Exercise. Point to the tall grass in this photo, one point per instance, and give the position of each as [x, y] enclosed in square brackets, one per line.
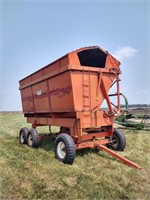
[27, 173]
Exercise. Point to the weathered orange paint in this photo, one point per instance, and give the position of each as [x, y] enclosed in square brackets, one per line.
[69, 93]
[67, 89]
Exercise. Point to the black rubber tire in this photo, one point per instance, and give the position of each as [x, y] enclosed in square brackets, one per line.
[23, 134]
[69, 148]
[118, 140]
[33, 139]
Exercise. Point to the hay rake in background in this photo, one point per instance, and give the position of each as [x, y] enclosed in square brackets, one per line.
[128, 120]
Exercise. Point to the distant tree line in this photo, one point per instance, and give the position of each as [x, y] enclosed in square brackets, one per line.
[136, 105]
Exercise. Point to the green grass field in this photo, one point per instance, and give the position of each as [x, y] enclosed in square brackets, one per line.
[27, 173]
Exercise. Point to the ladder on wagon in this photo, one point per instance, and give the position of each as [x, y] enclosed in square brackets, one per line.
[86, 85]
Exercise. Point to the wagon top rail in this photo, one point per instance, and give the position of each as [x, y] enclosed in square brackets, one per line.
[91, 58]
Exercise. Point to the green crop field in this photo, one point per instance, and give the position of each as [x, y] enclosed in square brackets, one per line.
[27, 173]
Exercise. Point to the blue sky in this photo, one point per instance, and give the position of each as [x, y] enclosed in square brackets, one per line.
[34, 33]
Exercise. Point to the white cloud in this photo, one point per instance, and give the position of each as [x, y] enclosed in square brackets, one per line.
[125, 53]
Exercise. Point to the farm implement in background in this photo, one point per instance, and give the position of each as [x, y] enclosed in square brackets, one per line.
[129, 120]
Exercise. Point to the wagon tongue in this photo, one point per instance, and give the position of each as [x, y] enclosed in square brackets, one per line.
[124, 160]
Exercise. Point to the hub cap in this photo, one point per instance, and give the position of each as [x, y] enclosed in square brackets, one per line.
[114, 141]
[61, 150]
[30, 140]
[22, 137]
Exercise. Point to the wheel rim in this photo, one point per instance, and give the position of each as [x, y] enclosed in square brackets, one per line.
[30, 140]
[114, 141]
[61, 150]
[22, 137]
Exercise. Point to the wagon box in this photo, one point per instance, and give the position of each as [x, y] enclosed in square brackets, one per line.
[69, 93]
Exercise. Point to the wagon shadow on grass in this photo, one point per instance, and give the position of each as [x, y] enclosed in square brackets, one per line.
[98, 152]
[47, 143]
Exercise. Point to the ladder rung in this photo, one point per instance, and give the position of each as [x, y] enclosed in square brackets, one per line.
[87, 106]
[86, 115]
[85, 85]
[87, 97]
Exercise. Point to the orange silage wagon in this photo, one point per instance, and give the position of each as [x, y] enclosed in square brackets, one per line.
[69, 93]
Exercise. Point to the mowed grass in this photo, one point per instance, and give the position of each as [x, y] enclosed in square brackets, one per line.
[27, 173]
